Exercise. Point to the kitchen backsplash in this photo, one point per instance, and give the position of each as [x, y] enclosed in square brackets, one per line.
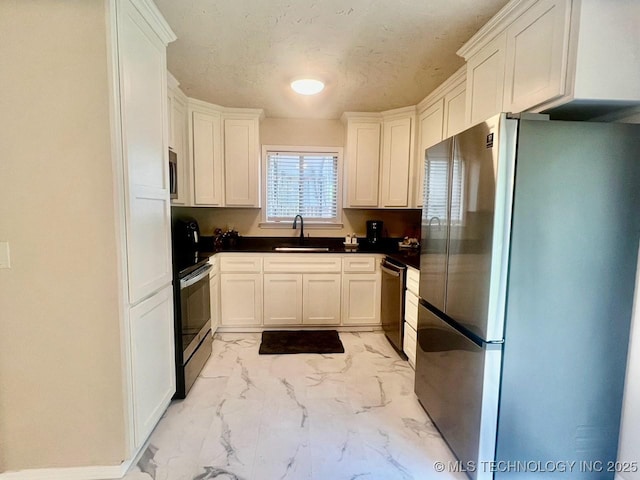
[397, 223]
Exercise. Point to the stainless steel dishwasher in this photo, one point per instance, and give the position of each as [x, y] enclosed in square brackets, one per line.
[392, 305]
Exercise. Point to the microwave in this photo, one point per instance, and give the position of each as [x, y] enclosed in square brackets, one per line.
[173, 174]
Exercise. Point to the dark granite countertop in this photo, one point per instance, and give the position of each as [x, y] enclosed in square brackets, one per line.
[389, 246]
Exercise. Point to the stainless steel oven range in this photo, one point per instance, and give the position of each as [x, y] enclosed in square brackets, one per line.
[192, 313]
[193, 327]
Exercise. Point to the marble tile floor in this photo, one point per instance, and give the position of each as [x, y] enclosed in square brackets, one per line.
[297, 417]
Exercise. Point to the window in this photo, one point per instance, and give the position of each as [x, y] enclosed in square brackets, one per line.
[302, 182]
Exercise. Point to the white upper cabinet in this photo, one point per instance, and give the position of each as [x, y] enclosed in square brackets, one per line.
[362, 160]
[225, 155]
[143, 107]
[397, 151]
[537, 49]
[441, 114]
[206, 153]
[430, 128]
[242, 160]
[455, 109]
[178, 137]
[485, 81]
[608, 36]
[172, 86]
[379, 170]
[576, 58]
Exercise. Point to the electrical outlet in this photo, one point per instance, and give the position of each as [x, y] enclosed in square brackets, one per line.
[4, 255]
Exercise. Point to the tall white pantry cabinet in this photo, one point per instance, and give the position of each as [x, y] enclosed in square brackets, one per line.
[140, 145]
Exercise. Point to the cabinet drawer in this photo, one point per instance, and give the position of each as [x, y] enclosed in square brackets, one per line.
[413, 281]
[411, 309]
[409, 344]
[306, 263]
[213, 261]
[359, 264]
[241, 264]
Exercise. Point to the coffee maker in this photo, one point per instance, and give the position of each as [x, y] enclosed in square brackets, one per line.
[374, 232]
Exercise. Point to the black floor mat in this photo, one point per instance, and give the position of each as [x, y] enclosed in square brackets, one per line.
[279, 342]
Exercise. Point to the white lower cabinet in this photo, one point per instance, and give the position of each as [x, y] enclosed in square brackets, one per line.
[411, 309]
[215, 301]
[281, 289]
[301, 299]
[152, 361]
[321, 299]
[361, 298]
[409, 343]
[214, 295]
[411, 315]
[241, 295]
[283, 298]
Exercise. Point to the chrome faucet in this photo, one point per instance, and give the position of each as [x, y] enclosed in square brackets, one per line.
[295, 225]
[437, 220]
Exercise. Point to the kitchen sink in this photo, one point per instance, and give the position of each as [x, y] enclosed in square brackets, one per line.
[301, 248]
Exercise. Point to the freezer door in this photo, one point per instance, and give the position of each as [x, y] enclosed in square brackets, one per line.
[457, 382]
[481, 196]
[435, 223]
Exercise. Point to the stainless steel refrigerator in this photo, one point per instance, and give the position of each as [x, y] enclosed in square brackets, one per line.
[530, 233]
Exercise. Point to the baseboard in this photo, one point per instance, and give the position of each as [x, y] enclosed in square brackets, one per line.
[339, 328]
[70, 473]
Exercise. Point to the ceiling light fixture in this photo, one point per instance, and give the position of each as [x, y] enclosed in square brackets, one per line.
[307, 86]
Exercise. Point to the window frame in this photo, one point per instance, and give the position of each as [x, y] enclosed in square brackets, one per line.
[337, 151]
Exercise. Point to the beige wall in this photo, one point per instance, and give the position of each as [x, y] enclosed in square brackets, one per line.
[61, 400]
[295, 131]
[397, 223]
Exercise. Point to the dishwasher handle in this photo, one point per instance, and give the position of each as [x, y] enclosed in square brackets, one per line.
[391, 268]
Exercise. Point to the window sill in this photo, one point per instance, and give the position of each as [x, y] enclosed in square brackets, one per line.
[309, 225]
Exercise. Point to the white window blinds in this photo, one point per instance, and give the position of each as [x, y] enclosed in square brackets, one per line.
[302, 183]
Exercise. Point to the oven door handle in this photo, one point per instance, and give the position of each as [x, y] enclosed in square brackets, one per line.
[197, 276]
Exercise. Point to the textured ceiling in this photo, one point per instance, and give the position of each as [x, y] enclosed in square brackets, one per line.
[373, 55]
